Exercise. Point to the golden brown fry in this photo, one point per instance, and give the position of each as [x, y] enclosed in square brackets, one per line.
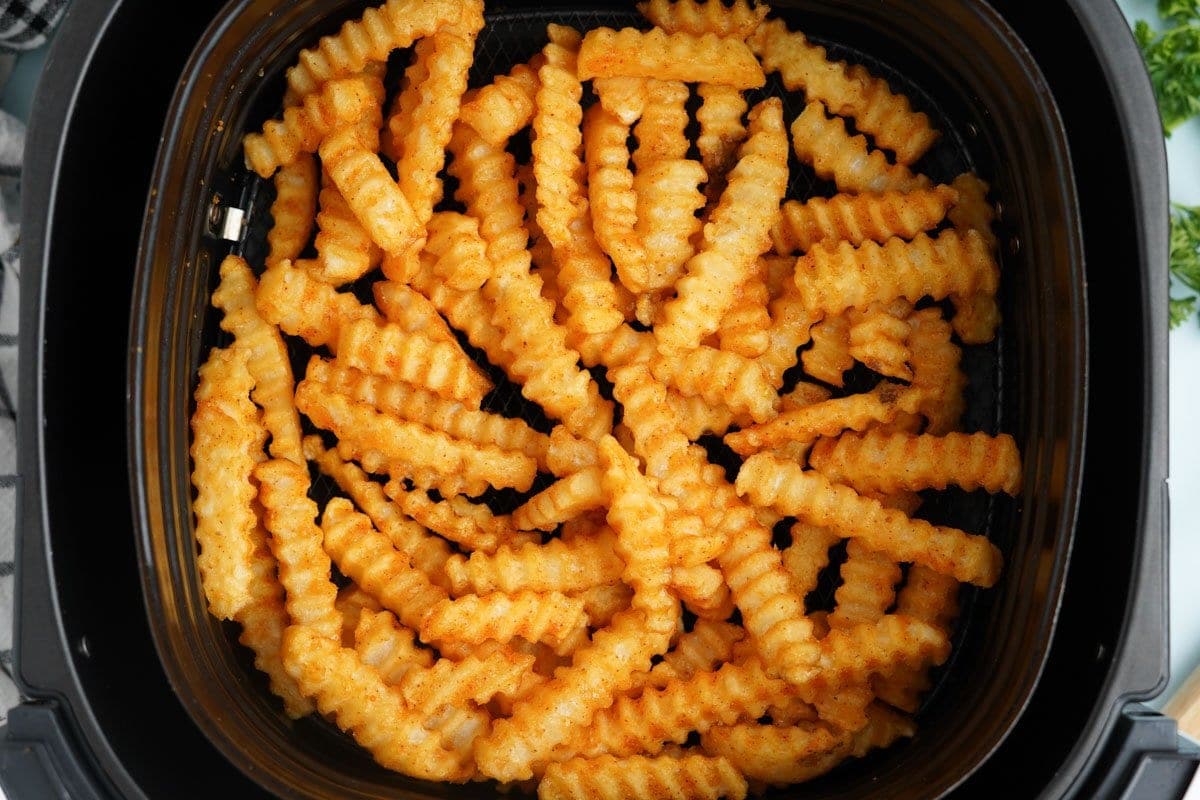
[427, 553]
[267, 357]
[661, 132]
[721, 378]
[394, 25]
[303, 306]
[827, 418]
[807, 555]
[700, 587]
[351, 602]
[860, 217]
[388, 350]
[835, 155]
[345, 251]
[293, 210]
[708, 645]
[766, 480]
[557, 566]
[614, 203]
[734, 237]
[584, 271]
[569, 700]
[735, 21]
[668, 199]
[849, 91]
[721, 129]
[458, 253]
[697, 416]
[375, 714]
[387, 646]
[408, 449]
[868, 586]
[372, 195]
[976, 315]
[689, 777]
[832, 279]
[304, 567]
[369, 559]
[622, 96]
[227, 441]
[422, 133]
[791, 326]
[669, 57]
[829, 357]
[879, 335]
[340, 103]
[559, 453]
[745, 328]
[468, 524]
[549, 617]
[412, 311]
[936, 373]
[933, 598]
[566, 498]
[505, 105]
[882, 462]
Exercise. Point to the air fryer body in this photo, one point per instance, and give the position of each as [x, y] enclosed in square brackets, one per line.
[102, 719]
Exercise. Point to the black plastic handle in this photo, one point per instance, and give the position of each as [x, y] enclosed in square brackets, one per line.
[38, 758]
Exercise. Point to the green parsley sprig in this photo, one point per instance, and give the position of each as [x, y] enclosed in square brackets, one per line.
[1173, 60]
[1185, 259]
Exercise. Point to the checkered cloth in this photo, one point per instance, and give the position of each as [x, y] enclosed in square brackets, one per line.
[24, 25]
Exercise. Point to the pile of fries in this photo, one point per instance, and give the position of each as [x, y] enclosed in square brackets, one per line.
[631, 628]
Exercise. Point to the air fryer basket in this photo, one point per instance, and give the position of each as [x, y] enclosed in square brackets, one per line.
[957, 61]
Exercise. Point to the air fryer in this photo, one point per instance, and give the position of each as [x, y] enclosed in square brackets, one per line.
[103, 719]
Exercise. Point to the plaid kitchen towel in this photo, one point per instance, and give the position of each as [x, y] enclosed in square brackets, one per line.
[24, 24]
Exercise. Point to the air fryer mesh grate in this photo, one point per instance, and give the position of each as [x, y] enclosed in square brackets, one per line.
[510, 38]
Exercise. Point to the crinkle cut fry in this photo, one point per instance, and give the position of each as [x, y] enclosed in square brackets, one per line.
[456, 251]
[832, 279]
[736, 235]
[394, 25]
[387, 646]
[374, 714]
[661, 132]
[878, 337]
[745, 328]
[612, 197]
[546, 717]
[469, 312]
[721, 130]
[668, 198]
[304, 566]
[856, 218]
[345, 251]
[402, 444]
[267, 359]
[791, 328]
[583, 563]
[933, 598]
[422, 138]
[549, 617]
[369, 559]
[375, 198]
[293, 210]
[849, 91]
[537, 353]
[426, 553]
[868, 586]
[227, 441]
[783, 754]
[506, 105]
[584, 270]
[404, 306]
[565, 498]
[470, 525]
[689, 777]
[669, 57]
[829, 357]
[977, 316]
[827, 418]
[735, 21]
[936, 372]
[883, 462]
[825, 145]
[340, 103]
[388, 350]
[721, 378]
[768, 481]
[303, 306]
